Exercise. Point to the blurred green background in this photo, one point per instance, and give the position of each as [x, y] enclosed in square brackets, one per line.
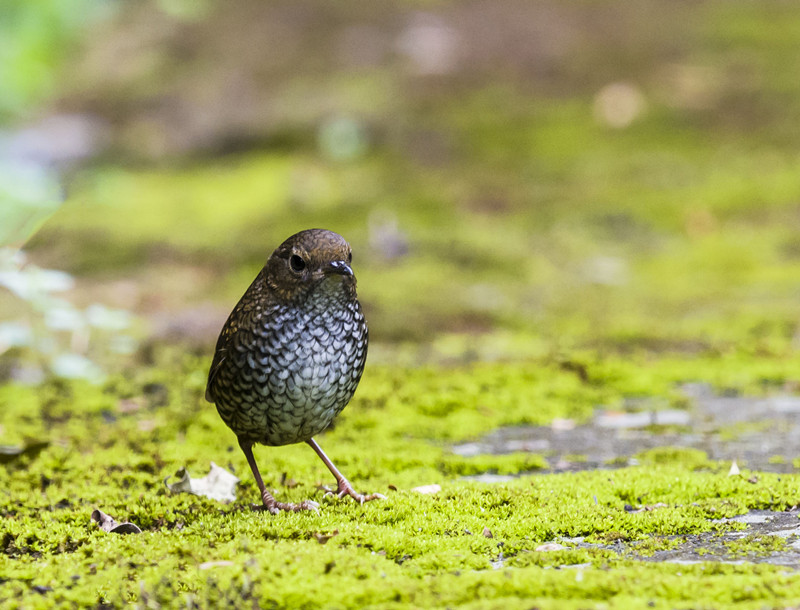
[594, 201]
[518, 179]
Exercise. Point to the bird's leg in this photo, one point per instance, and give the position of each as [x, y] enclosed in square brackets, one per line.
[343, 485]
[270, 503]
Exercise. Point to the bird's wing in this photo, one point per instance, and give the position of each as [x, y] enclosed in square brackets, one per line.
[220, 353]
[241, 322]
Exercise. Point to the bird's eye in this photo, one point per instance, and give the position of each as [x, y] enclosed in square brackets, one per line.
[297, 263]
[349, 257]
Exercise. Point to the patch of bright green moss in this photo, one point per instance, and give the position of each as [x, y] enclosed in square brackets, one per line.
[690, 458]
[514, 463]
[111, 446]
[755, 545]
[652, 545]
[736, 431]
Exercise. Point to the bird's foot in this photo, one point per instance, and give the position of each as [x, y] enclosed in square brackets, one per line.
[274, 507]
[345, 489]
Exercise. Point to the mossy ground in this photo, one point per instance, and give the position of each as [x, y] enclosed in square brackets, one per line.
[112, 446]
[549, 264]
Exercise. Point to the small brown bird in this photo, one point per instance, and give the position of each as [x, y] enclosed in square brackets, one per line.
[292, 352]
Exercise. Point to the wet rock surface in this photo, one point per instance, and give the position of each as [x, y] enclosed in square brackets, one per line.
[767, 537]
[761, 433]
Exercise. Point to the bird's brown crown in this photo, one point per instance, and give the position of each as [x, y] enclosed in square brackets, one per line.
[307, 258]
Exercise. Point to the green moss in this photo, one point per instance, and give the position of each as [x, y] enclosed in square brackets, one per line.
[583, 267]
[690, 458]
[652, 545]
[564, 558]
[755, 546]
[411, 548]
[514, 463]
[736, 431]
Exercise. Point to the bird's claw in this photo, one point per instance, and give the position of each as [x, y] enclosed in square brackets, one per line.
[328, 491]
[345, 489]
[275, 507]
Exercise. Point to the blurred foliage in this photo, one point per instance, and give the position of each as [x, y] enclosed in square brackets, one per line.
[49, 333]
[602, 196]
[631, 263]
[34, 35]
[28, 195]
[52, 335]
[640, 195]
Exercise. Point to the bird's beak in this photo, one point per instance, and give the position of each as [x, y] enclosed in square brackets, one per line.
[340, 268]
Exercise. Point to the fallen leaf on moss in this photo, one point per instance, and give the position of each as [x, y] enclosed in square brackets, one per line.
[734, 471]
[218, 484]
[487, 533]
[108, 524]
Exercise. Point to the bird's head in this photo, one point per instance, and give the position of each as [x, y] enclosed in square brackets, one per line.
[309, 259]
